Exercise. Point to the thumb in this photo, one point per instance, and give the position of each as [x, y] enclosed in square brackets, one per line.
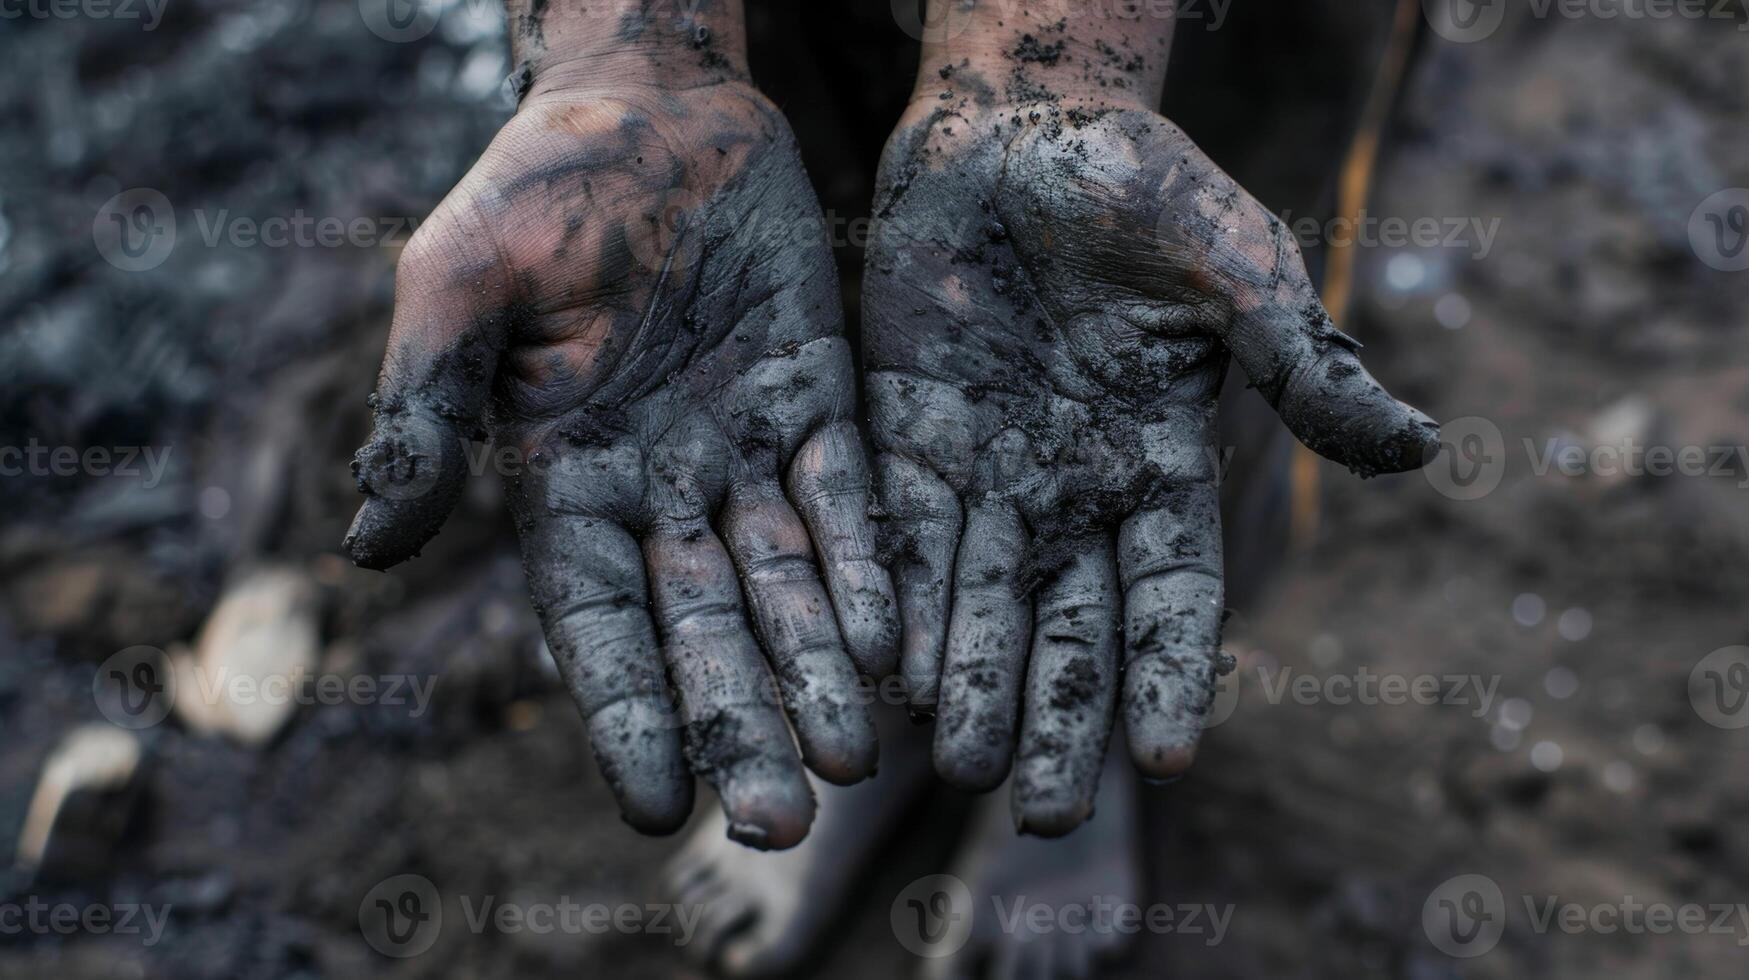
[1307, 369]
[443, 354]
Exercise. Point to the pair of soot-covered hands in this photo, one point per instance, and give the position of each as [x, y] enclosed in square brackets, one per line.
[633, 293]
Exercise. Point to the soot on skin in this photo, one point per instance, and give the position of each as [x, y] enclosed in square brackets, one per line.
[1052, 296]
[643, 368]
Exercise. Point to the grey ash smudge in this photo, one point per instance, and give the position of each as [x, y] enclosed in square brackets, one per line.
[533, 25]
[521, 80]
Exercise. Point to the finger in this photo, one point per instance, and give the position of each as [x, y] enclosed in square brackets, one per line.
[829, 483]
[735, 735]
[443, 353]
[1308, 371]
[586, 577]
[794, 620]
[1169, 562]
[1071, 687]
[986, 651]
[922, 529]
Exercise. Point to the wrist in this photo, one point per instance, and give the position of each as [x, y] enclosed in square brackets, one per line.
[1090, 52]
[662, 44]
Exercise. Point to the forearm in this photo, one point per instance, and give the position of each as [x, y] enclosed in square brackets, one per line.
[570, 44]
[1017, 51]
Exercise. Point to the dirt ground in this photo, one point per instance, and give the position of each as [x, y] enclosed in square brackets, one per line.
[1579, 148]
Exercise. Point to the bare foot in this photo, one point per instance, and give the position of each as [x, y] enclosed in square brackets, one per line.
[1096, 866]
[764, 910]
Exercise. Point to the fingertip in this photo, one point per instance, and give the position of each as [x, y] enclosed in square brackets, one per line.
[1401, 439]
[411, 473]
[846, 755]
[364, 541]
[655, 810]
[970, 769]
[639, 755]
[1162, 762]
[1164, 710]
[772, 817]
[1345, 415]
[1051, 818]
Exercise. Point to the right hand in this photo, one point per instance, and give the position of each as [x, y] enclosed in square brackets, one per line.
[634, 290]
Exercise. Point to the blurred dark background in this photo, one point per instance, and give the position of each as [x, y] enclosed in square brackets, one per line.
[1599, 315]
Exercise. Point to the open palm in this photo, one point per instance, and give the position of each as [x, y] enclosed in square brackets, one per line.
[1051, 298]
[635, 294]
